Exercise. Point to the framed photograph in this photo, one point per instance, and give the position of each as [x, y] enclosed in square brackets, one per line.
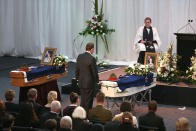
[48, 56]
[151, 59]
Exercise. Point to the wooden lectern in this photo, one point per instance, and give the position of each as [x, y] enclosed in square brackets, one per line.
[186, 44]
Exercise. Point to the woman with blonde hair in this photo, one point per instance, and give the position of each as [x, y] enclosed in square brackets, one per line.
[182, 124]
[52, 95]
[80, 123]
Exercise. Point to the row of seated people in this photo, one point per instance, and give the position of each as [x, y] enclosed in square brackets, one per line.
[31, 114]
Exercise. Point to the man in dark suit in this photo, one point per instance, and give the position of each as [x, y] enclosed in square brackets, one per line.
[151, 120]
[87, 76]
[99, 112]
[32, 97]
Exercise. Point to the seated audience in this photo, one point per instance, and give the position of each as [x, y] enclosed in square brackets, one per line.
[74, 101]
[11, 107]
[99, 112]
[27, 116]
[7, 122]
[111, 126]
[52, 95]
[32, 97]
[50, 125]
[79, 120]
[97, 127]
[151, 119]
[125, 107]
[182, 124]
[2, 111]
[127, 123]
[53, 114]
[66, 124]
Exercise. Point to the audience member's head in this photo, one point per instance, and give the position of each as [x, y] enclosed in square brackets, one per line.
[125, 106]
[79, 112]
[8, 121]
[2, 108]
[74, 98]
[32, 94]
[127, 118]
[100, 98]
[90, 47]
[51, 124]
[27, 112]
[182, 124]
[152, 106]
[66, 122]
[52, 95]
[97, 127]
[10, 95]
[56, 107]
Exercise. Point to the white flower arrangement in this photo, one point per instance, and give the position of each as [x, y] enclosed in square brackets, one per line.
[138, 69]
[60, 60]
[103, 64]
[167, 66]
[191, 72]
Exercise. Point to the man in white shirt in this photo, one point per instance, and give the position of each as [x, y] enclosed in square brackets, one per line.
[146, 40]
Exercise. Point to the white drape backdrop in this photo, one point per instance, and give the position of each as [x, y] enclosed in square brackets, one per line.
[27, 26]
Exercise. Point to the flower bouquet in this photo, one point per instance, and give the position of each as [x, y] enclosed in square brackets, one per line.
[103, 64]
[60, 60]
[138, 69]
[96, 26]
[191, 72]
[167, 71]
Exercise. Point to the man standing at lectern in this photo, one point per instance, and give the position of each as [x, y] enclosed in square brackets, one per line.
[146, 40]
[87, 76]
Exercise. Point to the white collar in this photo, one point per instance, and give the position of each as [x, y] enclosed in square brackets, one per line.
[73, 105]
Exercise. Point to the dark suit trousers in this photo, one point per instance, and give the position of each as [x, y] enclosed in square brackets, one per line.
[87, 95]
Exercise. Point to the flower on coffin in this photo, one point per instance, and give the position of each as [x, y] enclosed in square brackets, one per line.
[60, 60]
[167, 67]
[138, 69]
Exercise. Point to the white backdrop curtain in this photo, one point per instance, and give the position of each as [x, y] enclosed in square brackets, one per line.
[27, 26]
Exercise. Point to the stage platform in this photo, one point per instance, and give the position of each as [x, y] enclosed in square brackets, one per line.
[179, 94]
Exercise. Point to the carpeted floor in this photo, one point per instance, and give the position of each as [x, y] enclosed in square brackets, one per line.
[169, 113]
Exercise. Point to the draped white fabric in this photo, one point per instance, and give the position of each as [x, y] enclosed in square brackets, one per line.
[27, 26]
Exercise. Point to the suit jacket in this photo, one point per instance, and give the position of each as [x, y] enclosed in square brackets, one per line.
[50, 115]
[11, 107]
[37, 107]
[86, 71]
[81, 125]
[100, 113]
[127, 127]
[152, 120]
